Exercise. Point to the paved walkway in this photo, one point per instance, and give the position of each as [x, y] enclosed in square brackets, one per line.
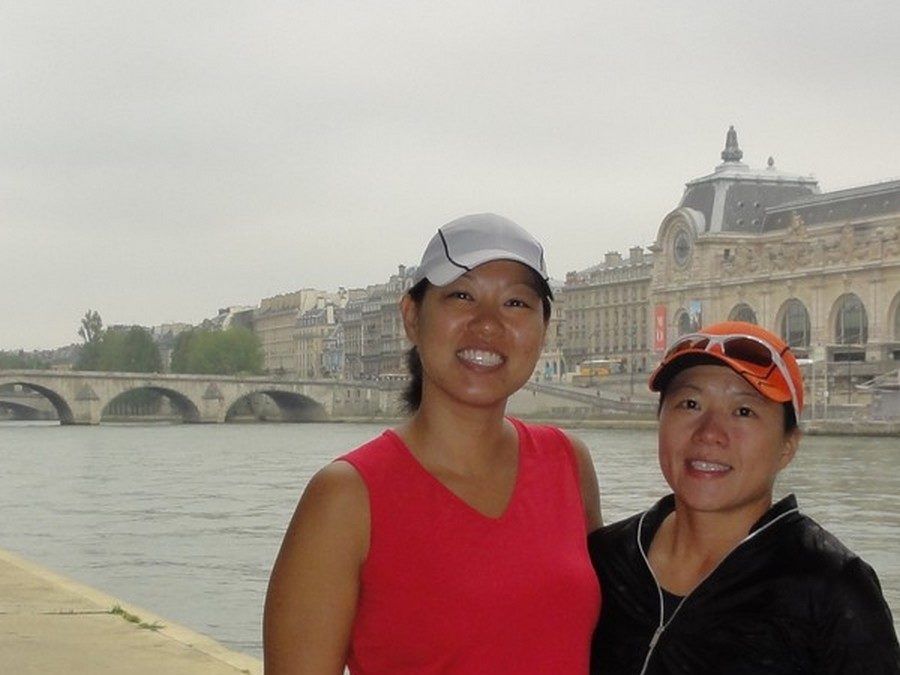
[50, 625]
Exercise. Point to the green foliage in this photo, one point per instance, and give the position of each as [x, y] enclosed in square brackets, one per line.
[88, 357]
[91, 327]
[135, 619]
[21, 360]
[132, 351]
[91, 331]
[229, 352]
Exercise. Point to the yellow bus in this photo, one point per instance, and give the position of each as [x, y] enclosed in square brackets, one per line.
[599, 367]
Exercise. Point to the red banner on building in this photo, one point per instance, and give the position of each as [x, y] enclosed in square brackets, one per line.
[659, 328]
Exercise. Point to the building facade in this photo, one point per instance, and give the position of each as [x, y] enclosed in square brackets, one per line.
[606, 311]
[761, 245]
[314, 327]
[373, 337]
[276, 321]
[820, 269]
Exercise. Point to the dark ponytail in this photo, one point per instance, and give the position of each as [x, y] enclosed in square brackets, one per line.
[411, 397]
[412, 393]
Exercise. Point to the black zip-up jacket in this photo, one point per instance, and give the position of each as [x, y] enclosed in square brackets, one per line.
[790, 598]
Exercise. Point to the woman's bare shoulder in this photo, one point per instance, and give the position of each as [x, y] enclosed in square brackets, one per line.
[587, 475]
[336, 492]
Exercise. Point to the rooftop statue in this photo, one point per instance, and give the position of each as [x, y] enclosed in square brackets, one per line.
[731, 153]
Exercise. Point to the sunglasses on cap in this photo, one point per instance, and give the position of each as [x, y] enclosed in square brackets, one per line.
[755, 357]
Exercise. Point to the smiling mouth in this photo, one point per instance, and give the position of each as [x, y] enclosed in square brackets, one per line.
[480, 357]
[707, 466]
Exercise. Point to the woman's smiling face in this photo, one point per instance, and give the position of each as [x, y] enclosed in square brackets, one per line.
[721, 442]
[480, 336]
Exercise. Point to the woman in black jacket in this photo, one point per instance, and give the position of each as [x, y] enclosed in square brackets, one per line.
[715, 578]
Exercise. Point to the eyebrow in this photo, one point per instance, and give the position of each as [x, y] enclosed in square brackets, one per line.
[749, 390]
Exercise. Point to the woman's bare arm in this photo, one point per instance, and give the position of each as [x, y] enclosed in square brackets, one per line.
[312, 594]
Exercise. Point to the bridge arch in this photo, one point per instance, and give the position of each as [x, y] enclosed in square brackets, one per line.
[59, 403]
[291, 406]
[179, 402]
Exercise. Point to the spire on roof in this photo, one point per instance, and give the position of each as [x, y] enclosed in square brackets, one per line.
[731, 153]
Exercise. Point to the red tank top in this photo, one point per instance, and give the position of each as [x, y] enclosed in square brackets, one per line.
[445, 589]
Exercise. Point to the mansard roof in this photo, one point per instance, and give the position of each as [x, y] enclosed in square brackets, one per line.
[863, 202]
[736, 198]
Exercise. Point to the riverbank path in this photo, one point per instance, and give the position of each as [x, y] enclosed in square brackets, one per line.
[50, 625]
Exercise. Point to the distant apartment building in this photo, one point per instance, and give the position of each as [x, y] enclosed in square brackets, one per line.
[313, 329]
[606, 311]
[353, 343]
[275, 322]
[352, 334]
[374, 339]
[333, 352]
[231, 317]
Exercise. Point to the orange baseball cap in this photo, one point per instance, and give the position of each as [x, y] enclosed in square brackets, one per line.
[757, 355]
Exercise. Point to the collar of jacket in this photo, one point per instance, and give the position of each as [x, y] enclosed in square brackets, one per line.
[653, 518]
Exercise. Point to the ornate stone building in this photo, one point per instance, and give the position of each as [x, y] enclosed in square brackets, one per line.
[820, 269]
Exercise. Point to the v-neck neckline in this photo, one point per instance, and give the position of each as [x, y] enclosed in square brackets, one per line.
[513, 496]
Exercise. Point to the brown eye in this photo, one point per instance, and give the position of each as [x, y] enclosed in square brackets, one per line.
[687, 403]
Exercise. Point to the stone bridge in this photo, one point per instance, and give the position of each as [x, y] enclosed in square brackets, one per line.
[81, 397]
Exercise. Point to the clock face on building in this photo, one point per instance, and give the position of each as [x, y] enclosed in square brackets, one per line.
[682, 247]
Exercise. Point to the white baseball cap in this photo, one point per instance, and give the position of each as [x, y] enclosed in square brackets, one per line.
[470, 241]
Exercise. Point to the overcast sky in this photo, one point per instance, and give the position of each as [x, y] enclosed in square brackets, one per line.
[162, 159]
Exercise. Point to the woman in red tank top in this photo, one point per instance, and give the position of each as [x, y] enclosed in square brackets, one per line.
[454, 543]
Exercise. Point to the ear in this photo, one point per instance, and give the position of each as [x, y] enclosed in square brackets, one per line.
[409, 311]
[789, 448]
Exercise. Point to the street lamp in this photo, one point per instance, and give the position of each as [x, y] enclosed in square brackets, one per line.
[849, 380]
[631, 364]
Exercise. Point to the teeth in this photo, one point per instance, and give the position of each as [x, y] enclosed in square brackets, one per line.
[700, 465]
[481, 358]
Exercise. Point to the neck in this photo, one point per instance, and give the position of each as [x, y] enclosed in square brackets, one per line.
[690, 544]
[465, 441]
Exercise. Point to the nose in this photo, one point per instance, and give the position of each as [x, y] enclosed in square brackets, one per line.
[485, 321]
[711, 428]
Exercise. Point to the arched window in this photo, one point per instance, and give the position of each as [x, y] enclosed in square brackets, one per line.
[795, 324]
[684, 324]
[742, 312]
[851, 326]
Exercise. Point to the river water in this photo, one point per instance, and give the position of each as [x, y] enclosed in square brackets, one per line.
[185, 520]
